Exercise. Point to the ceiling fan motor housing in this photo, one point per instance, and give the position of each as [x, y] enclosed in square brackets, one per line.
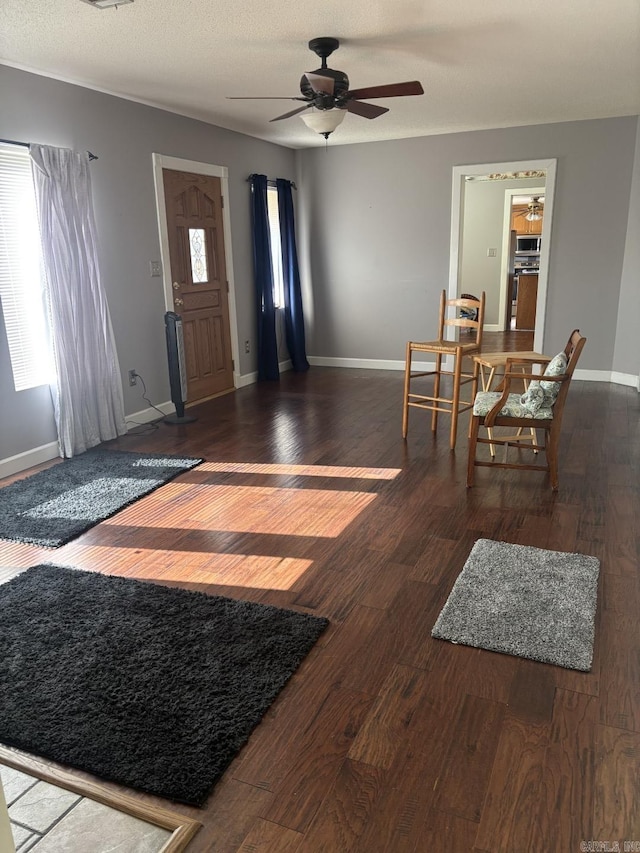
[322, 101]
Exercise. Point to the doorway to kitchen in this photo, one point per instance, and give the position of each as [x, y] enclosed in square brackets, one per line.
[520, 264]
[492, 263]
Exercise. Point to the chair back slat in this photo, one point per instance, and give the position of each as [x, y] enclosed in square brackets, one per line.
[467, 302]
[572, 350]
[462, 321]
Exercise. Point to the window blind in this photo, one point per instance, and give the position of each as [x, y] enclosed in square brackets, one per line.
[21, 275]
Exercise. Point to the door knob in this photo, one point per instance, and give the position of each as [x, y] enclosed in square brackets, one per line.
[176, 285]
[178, 301]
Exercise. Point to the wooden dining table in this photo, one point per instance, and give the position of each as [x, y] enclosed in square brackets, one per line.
[491, 362]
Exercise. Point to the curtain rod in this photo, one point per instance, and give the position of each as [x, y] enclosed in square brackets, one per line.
[28, 145]
[272, 183]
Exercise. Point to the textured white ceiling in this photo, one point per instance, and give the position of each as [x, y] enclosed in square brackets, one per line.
[498, 63]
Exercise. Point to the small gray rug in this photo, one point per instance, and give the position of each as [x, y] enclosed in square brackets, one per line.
[57, 504]
[524, 601]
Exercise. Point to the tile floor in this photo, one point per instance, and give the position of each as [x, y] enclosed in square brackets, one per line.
[48, 819]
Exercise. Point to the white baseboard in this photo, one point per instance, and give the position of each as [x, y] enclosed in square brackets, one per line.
[381, 364]
[243, 379]
[607, 376]
[625, 379]
[145, 416]
[38, 455]
[21, 461]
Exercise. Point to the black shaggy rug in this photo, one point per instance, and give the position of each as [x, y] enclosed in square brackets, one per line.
[149, 686]
[57, 504]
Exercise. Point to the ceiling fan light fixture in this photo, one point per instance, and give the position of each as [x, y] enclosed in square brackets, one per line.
[533, 216]
[323, 121]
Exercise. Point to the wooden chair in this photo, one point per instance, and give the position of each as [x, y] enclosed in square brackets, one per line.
[459, 349]
[535, 409]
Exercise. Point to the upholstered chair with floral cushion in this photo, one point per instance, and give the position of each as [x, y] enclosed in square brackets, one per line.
[541, 406]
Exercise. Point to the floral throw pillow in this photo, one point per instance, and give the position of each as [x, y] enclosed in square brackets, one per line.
[541, 393]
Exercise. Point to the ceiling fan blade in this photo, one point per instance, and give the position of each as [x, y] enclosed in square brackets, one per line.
[265, 98]
[292, 113]
[320, 84]
[366, 110]
[392, 90]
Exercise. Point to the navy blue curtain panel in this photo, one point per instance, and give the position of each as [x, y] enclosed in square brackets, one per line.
[267, 344]
[293, 317]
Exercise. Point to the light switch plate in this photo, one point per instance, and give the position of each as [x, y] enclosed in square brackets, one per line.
[492, 253]
[156, 268]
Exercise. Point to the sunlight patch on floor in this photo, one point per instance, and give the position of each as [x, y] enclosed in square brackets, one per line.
[302, 470]
[253, 571]
[246, 509]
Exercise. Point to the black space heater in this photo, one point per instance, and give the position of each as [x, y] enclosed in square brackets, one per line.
[177, 368]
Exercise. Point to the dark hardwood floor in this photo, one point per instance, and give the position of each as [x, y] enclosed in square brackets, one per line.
[386, 739]
[510, 341]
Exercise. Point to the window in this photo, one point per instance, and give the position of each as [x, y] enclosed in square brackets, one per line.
[198, 250]
[21, 275]
[276, 246]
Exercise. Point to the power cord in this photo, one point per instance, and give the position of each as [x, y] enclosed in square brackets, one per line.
[144, 395]
[151, 426]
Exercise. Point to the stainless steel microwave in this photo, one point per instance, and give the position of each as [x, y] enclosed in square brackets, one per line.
[527, 245]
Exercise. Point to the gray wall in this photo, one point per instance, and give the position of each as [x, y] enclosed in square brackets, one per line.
[380, 216]
[626, 357]
[124, 135]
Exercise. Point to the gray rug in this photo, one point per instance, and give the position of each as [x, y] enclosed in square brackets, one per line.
[149, 686]
[524, 601]
[57, 504]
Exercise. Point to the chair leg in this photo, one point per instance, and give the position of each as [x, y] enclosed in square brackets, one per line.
[405, 400]
[455, 406]
[436, 392]
[474, 383]
[551, 445]
[473, 442]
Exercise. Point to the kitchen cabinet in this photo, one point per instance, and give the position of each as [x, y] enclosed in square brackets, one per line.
[526, 301]
[522, 225]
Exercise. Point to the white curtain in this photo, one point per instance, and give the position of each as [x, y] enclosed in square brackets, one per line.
[88, 392]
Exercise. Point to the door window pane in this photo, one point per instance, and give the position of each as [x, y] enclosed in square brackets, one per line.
[198, 249]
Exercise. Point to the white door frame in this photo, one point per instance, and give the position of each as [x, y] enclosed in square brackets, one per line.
[457, 210]
[160, 162]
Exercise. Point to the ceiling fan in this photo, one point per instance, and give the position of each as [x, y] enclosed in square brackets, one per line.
[326, 93]
[534, 209]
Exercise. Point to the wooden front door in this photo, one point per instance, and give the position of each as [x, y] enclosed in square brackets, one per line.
[199, 280]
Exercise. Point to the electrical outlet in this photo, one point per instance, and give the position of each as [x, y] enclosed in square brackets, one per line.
[133, 377]
[247, 346]
[155, 268]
